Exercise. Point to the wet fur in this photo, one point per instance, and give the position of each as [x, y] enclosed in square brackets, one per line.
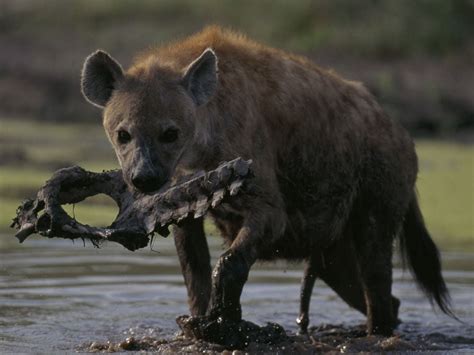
[334, 175]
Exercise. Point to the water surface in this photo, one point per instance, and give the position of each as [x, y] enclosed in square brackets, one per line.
[56, 296]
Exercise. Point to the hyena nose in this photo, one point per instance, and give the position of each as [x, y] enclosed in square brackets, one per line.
[146, 182]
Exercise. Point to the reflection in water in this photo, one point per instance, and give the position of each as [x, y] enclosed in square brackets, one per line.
[58, 296]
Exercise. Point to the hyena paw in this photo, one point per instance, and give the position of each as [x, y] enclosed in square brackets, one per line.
[229, 333]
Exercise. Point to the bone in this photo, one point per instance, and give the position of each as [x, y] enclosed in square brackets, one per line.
[140, 216]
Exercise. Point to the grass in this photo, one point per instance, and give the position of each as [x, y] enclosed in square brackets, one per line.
[12, 178]
[44, 148]
[446, 191]
[445, 184]
[45, 143]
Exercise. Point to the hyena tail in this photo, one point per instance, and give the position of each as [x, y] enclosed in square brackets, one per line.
[422, 256]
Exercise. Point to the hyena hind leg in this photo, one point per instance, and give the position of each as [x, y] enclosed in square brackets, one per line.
[339, 268]
[307, 285]
[376, 271]
[341, 272]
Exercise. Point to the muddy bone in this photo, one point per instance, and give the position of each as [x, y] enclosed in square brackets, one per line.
[140, 215]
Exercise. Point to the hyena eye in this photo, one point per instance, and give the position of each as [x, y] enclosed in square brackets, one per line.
[170, 135]
[123, 137]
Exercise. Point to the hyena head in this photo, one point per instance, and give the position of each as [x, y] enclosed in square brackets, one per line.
[149, 112]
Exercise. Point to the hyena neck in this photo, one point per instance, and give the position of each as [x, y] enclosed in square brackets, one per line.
[203, 151]
[200, 155]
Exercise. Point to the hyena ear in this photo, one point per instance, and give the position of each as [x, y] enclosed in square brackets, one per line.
[99, 77]
[200, 79]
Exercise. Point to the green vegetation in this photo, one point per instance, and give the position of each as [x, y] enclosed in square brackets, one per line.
[446, 191]
[31, 151]
[366, 27]
[446, 180]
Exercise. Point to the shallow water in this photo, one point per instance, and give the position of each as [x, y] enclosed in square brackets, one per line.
[56, 296]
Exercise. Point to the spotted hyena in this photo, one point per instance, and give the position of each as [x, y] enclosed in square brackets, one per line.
[334, 175]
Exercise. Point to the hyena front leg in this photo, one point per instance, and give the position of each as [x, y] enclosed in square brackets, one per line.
[223, 322]
[193, 253]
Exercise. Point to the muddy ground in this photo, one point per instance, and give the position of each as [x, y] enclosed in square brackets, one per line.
[325, 338]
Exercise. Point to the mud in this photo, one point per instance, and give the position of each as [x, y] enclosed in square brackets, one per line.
[325, 338]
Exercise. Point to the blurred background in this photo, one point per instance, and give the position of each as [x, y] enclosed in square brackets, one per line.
[416, 56]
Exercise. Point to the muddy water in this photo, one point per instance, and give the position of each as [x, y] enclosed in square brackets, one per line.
[55, 296]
